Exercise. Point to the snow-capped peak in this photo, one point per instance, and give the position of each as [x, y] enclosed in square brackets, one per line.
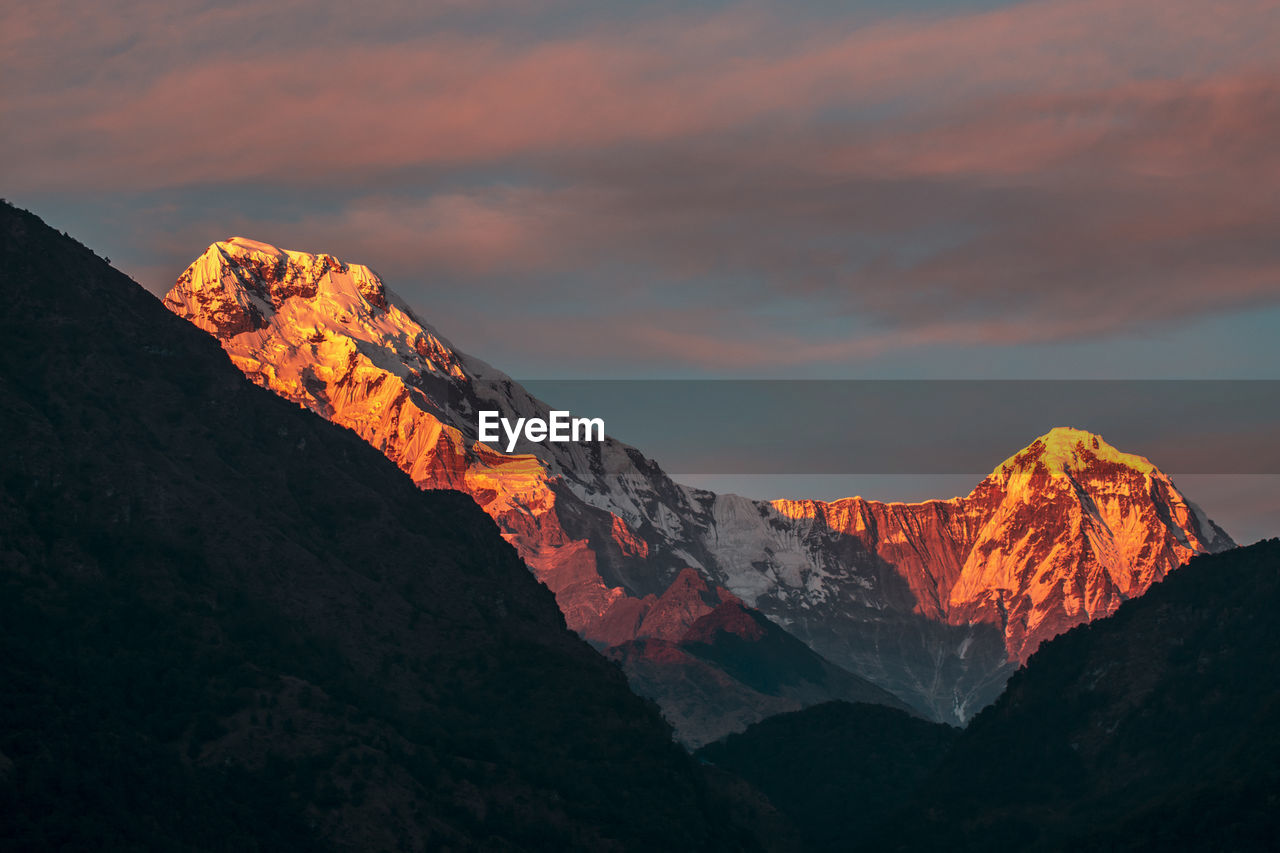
[238, 243]
[1060, 533]
[309, 301]
[1067, 451]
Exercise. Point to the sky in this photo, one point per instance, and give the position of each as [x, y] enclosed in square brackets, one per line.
[1064, 189]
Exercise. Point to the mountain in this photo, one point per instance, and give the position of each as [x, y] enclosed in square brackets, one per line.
[936, 602]
[731, 667]
[1155, 728]
[836, 769]
[226, 624]
[1061, 533]
[332, 338]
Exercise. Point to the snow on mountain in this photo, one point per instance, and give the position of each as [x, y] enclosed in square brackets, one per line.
[1060, 533]
[934, 601]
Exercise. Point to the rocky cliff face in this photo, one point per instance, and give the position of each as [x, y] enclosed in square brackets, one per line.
[936, 602]
[1079, 528]
[330, 337]
[230, 625]
[1060, 533]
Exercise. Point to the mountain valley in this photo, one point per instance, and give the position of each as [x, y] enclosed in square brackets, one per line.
[936, 602]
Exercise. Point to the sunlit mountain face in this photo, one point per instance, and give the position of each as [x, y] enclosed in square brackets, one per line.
[934, 602]
[231, 625]
[927, 362]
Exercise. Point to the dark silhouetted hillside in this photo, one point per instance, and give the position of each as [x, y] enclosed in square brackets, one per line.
[837, 770]
[226, 624]
[1155, 729]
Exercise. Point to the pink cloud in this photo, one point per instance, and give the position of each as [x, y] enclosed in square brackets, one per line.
[1044, 171]
[299, 103]
[1078, 238]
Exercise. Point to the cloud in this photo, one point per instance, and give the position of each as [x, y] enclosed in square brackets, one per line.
[158, 97]
[1045, 237]
[826, 187]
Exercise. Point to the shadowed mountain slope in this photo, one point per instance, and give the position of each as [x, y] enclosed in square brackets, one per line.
[936, 602]
[1156, 728]
[836, 769]
[731, 665]
[228, 624]
[602, 526]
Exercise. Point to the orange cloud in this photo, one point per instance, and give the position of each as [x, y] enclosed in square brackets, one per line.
[1051, 170]
[304, 100]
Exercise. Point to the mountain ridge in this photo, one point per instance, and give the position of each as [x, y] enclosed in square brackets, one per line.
[228, 624]
[963, 557]
[1152, 729]
[936, 602]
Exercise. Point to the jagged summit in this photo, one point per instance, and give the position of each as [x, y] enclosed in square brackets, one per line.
[248, 245]
[1060, 533]
[243, 629]
[329, 336]
[1067, 450]
[324, 308]
[278, 274]
[935, 601]
[245, 247]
